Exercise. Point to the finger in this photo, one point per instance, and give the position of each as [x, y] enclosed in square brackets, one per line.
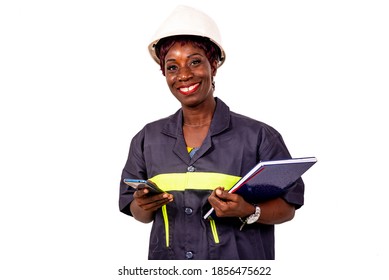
[216, 202]
[215, 191]
[158, 199]
[156, 204]
[213, 198]
[224, 195]
[140, 193]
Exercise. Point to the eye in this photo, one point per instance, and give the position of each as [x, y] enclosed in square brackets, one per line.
[196, 62]
[171, 68]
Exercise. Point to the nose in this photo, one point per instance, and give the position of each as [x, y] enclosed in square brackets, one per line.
[184, 74]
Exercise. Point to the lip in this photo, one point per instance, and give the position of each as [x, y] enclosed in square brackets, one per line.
[188, 89]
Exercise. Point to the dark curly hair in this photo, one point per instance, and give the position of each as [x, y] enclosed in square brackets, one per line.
[211, 50]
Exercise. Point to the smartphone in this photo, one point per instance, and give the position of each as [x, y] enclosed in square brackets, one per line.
[139, 184]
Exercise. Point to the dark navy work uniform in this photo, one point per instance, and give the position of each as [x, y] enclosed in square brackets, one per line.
[233, 146]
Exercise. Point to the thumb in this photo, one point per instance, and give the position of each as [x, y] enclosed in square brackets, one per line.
[220, 192]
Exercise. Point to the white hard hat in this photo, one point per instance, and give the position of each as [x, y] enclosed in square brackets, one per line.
[188, 21]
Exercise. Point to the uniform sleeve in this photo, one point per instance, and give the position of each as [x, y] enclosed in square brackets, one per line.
[273, 148]
[134, 168]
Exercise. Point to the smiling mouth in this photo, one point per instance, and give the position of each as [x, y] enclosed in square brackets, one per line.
[189, 90]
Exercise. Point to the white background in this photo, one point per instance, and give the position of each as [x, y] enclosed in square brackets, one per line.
[76, 83]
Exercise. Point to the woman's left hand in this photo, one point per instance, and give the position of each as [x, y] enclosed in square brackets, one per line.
[229, 205]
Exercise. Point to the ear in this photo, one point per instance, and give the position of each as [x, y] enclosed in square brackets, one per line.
[214, 68]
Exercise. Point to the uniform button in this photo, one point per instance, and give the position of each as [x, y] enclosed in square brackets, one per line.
[189, 255]
[191, 169]
[188, 210]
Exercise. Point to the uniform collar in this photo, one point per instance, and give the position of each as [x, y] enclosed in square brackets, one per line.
[220, 121]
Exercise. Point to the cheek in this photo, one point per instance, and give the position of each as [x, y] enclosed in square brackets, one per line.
[207, 77]
[170, 84]
[169, 80]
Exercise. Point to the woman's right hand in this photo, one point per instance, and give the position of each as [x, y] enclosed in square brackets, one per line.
[144, 205]
[151, 202]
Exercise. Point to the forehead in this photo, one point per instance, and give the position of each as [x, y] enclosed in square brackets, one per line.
[184, 49]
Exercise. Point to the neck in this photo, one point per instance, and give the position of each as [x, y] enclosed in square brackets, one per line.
[199, 116]
[198, 124]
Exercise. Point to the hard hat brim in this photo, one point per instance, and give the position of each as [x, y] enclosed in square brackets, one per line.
[153, 54]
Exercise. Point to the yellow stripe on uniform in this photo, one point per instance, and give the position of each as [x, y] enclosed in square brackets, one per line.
[166, 222]
[194, 181]
[214, 230]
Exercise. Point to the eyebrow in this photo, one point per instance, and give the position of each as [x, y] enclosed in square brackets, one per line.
[189, 56]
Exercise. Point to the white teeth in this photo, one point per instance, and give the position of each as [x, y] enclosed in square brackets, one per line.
[186, 89]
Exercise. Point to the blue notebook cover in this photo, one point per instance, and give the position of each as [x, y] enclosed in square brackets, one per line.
[270, 179]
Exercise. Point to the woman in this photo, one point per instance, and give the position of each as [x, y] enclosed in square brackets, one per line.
[198, 153]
